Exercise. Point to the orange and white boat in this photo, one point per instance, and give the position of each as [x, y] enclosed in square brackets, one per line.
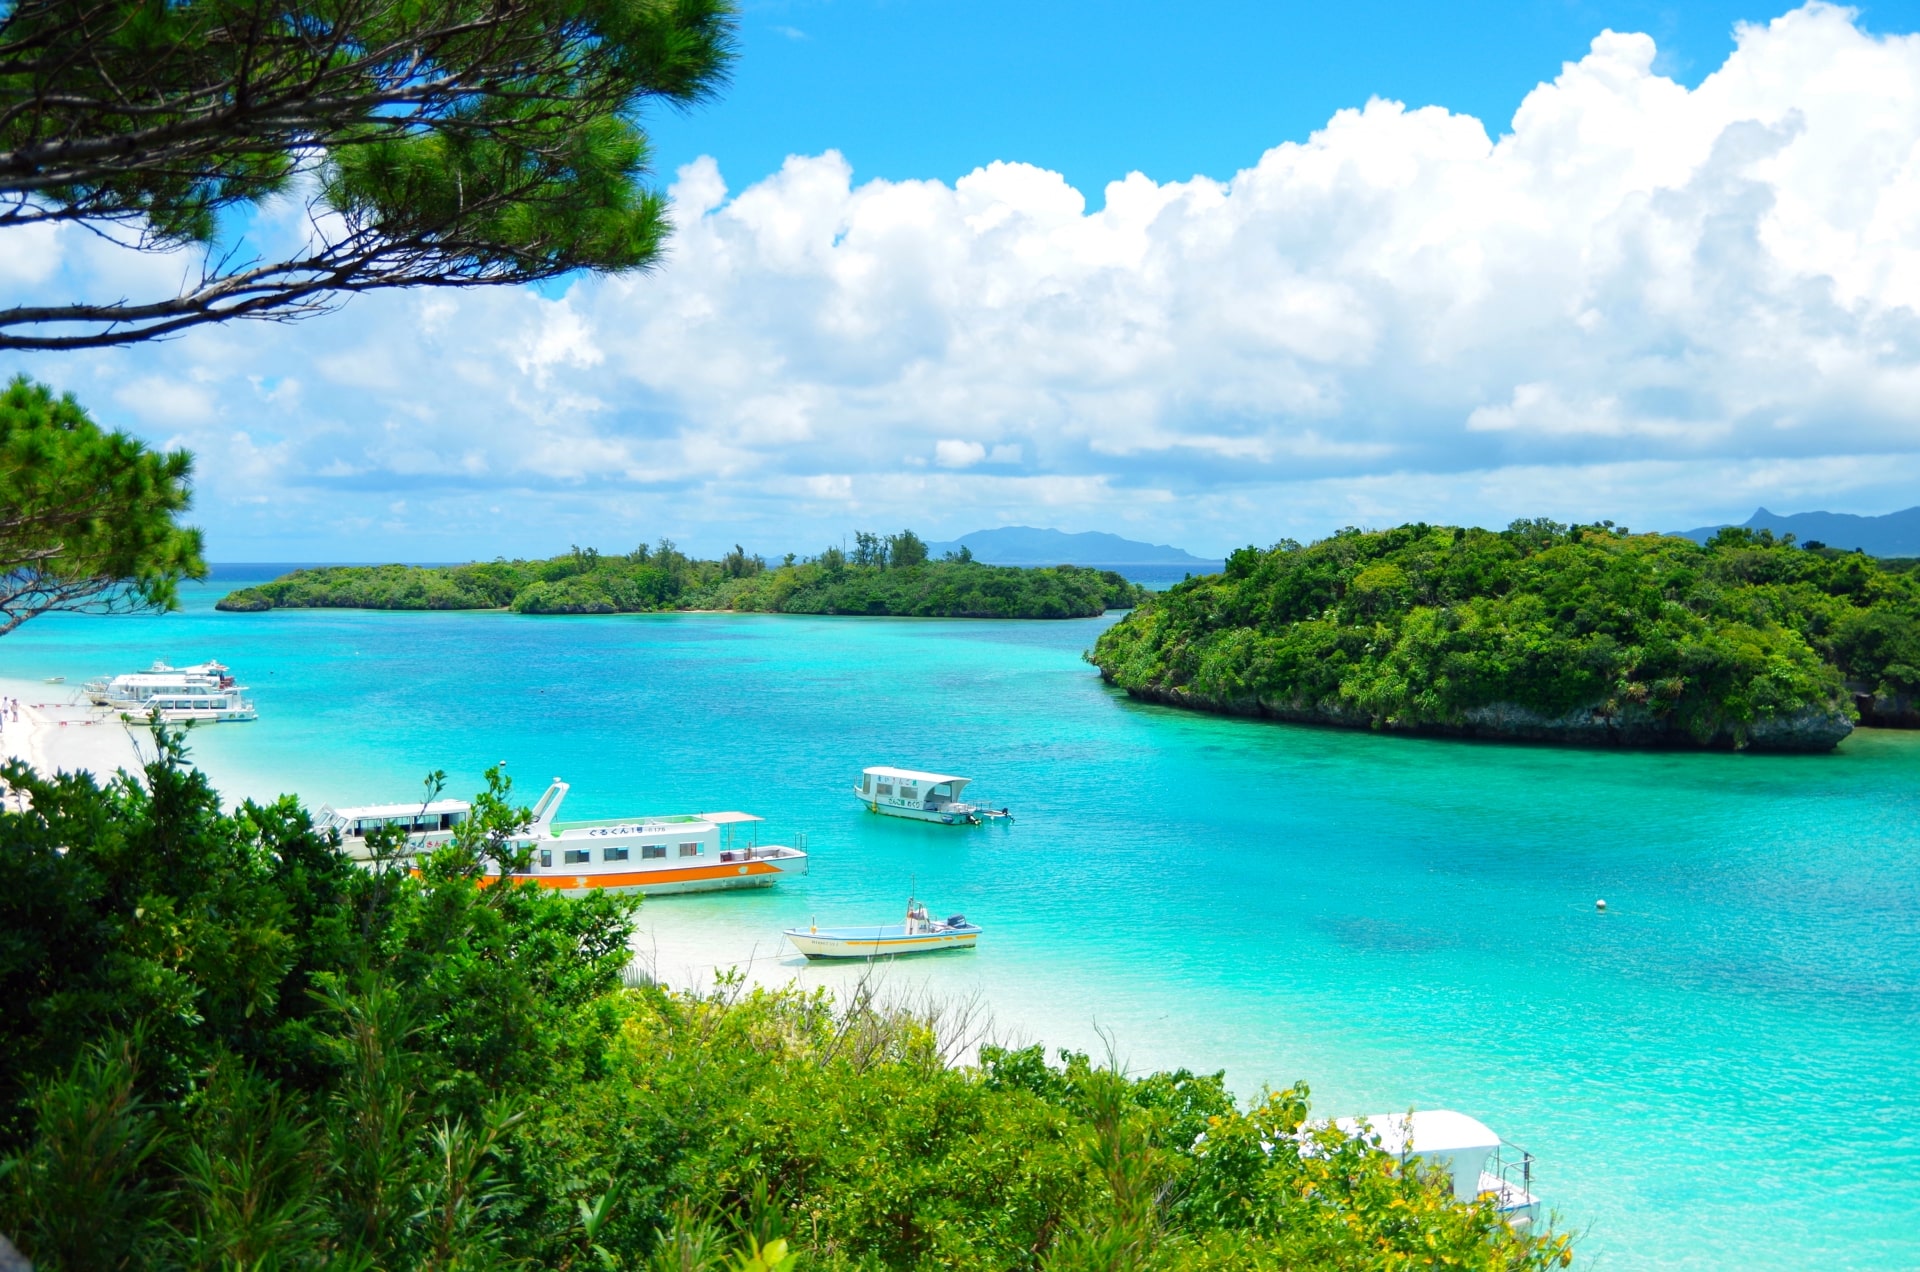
[689, 852]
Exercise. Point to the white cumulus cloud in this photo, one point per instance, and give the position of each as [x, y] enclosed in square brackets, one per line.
[1638, 300]
[951, 453]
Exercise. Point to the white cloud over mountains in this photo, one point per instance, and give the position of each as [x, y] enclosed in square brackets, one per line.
[1642, 302]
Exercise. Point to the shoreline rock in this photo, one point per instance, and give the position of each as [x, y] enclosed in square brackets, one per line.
[1885, 711]
[1808, 732]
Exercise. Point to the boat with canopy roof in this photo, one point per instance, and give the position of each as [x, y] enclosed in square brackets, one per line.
[921, 796]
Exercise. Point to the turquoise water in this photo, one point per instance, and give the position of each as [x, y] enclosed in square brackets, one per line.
[1719, 1072]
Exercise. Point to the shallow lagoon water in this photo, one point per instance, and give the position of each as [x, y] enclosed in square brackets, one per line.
[1720, 1071]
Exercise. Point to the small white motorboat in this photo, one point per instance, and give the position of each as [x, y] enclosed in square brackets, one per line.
[917, 935]
[932, 797]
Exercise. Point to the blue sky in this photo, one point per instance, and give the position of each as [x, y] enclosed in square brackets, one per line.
[1094, 90]
[916, 284]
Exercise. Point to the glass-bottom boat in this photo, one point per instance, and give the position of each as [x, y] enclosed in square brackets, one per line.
[918, 796]
[204, 693]
[691, 852]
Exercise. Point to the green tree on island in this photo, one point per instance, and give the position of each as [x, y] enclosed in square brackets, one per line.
[1547, 631]
[888, 576]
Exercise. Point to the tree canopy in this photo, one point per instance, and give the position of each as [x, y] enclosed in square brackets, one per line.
[1577, 633]
[444, 142]
[88, 518]
[894, 579]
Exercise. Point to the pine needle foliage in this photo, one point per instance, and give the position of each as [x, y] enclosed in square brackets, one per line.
[428, 142]
[89, 519]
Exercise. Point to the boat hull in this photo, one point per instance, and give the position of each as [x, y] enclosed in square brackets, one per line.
[911, 813]
[878, 943]
[658, 882]
[667, 881]
[175, 715]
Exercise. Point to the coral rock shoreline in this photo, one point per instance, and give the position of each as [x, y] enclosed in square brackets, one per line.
[1809, 731]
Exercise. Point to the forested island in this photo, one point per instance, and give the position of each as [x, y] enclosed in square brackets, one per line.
[881, 576]
[1548, 632]
[227, 1045]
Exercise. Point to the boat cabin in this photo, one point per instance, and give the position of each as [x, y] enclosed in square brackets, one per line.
[436, 819]
[910, 788]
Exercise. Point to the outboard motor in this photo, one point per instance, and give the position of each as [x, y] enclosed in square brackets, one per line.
[956, 920]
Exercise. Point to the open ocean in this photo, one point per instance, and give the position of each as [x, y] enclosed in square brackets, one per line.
[1722, 1071]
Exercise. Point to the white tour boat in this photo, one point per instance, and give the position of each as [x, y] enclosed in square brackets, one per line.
[932, 797]
[918, 934]
[697, 852]
[1479, 1164]
[204, 693]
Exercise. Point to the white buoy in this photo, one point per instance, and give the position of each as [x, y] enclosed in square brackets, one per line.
[1600, 906]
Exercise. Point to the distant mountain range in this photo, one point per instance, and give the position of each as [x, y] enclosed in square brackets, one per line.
[1026, 545]
[1897, 534]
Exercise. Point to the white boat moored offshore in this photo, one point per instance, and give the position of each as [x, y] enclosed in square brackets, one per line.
[696, 852]
[918, 934]
[202, 693]
[1466, 1150]
[931, 797]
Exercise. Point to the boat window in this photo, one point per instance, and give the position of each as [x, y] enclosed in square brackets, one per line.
[689, 850]
[575, 856]
[885, 788]
[648, 851]
[907, 792]
[546, 856]
[613, 854]
[866, 781]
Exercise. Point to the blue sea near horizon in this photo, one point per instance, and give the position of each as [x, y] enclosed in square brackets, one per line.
[1719, 1072]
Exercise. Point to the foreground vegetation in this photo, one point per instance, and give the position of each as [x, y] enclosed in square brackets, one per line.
[1578, 633]
[226, 1046]
[890, 576]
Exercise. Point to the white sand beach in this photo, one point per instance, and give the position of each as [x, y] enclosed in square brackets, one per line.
[57, 731]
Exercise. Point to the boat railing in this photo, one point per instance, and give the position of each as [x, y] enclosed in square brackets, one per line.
[764, 852]
[1513, 1167]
